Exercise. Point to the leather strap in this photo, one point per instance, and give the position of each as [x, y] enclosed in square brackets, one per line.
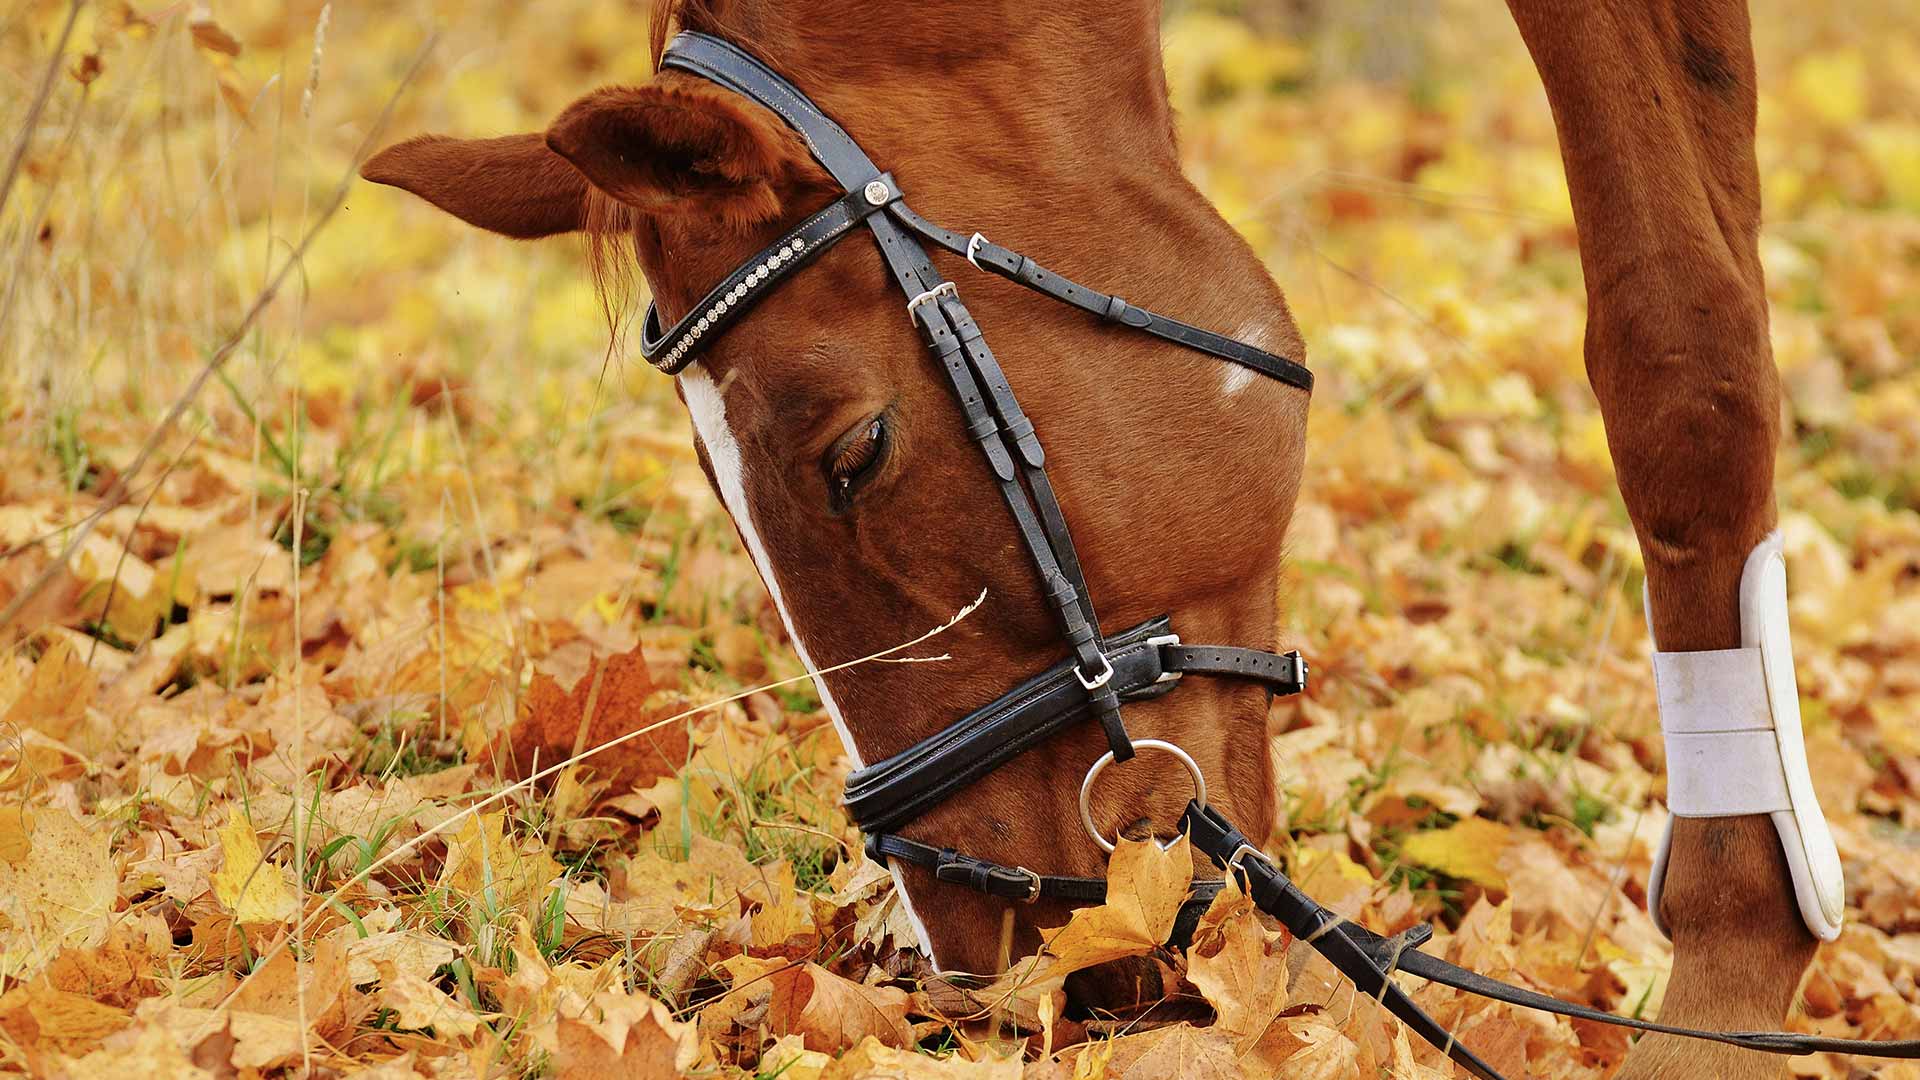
[1284, 673]
[1146, 661]
[729, 301]
[1019, 884]
[986, 255]
[1368, 960]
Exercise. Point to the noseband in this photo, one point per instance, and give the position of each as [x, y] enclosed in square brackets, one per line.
[1099, 673]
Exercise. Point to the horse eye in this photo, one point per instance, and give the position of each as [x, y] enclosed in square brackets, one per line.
[854, 459]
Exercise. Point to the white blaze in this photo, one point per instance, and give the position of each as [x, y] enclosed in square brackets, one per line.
[706, 403]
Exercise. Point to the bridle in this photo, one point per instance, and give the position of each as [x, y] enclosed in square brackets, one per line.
[1100, 672]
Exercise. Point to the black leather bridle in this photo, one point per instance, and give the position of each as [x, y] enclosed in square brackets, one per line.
[1100, 672]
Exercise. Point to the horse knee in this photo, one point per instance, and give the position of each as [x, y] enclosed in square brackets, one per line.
[1684, 374]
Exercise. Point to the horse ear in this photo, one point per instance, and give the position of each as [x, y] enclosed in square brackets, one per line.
[684, 149]
[512, 185]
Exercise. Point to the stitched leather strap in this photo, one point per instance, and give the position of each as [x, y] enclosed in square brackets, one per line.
[1022, 885]
[1146, 661]
[1007, 263]
[1369, 960]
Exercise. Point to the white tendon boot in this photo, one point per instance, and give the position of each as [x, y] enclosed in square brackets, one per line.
[1731, 718]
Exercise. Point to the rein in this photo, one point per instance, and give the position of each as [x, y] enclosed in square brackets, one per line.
[1100, 672]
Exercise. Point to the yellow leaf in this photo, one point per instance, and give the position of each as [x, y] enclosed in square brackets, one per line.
[832, 1013]
[873, 1060]
[419, 1004]
[481, 862]
[58, 893]
[247, 884]
[1469, 850]
[624, 1037]
[1145, 889]
[1245, 974]
[15, 844]
[57, 694]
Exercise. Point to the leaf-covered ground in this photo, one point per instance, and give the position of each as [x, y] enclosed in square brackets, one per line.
[264, 734]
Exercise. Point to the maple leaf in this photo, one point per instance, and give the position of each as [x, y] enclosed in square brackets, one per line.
[59, 893]
[832, 1013]
[54, 701]
[874, 1060]
[482, 862]
[1145, 887]
[554, 726]
[419, 1004]
[633, 1036]
[247, 884]
[1243, 974]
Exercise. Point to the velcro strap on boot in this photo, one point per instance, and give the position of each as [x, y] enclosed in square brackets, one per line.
[1723, 754]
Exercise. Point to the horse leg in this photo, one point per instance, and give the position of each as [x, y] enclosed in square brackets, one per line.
[1654, 102]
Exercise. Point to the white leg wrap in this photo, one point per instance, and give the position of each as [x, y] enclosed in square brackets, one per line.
[1731, 718]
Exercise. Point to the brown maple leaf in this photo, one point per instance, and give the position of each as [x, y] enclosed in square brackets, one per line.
[611, 700]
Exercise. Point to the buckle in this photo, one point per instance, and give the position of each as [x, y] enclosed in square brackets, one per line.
[946, 288]
[1097, 681]
[973, 250]
[1239, 854]
[1299, 669]
[1161, 642]
[1033, 884]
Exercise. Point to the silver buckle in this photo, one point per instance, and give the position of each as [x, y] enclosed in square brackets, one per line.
[1033, 890]
[1239, 854]
[1097, 681]
[1160, 642]
[973, 248]
[946, 287]
[1299, 669]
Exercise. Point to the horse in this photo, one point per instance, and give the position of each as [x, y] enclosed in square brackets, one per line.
[848, 474]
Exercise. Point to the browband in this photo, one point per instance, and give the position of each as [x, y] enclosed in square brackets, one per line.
[739, 291]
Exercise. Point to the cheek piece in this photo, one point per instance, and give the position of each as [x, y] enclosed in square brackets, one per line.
[1731, 720]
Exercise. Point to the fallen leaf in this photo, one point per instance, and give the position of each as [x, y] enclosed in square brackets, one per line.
[632, 1036]
[61, 893]
[554, 726]
[246, 884]
[1244, 976]
[418, 1005]
[831, 1013]
[56, 697]
[1469, 849]
[482, 864]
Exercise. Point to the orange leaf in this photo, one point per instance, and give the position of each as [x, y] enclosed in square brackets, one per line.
[554, 726]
